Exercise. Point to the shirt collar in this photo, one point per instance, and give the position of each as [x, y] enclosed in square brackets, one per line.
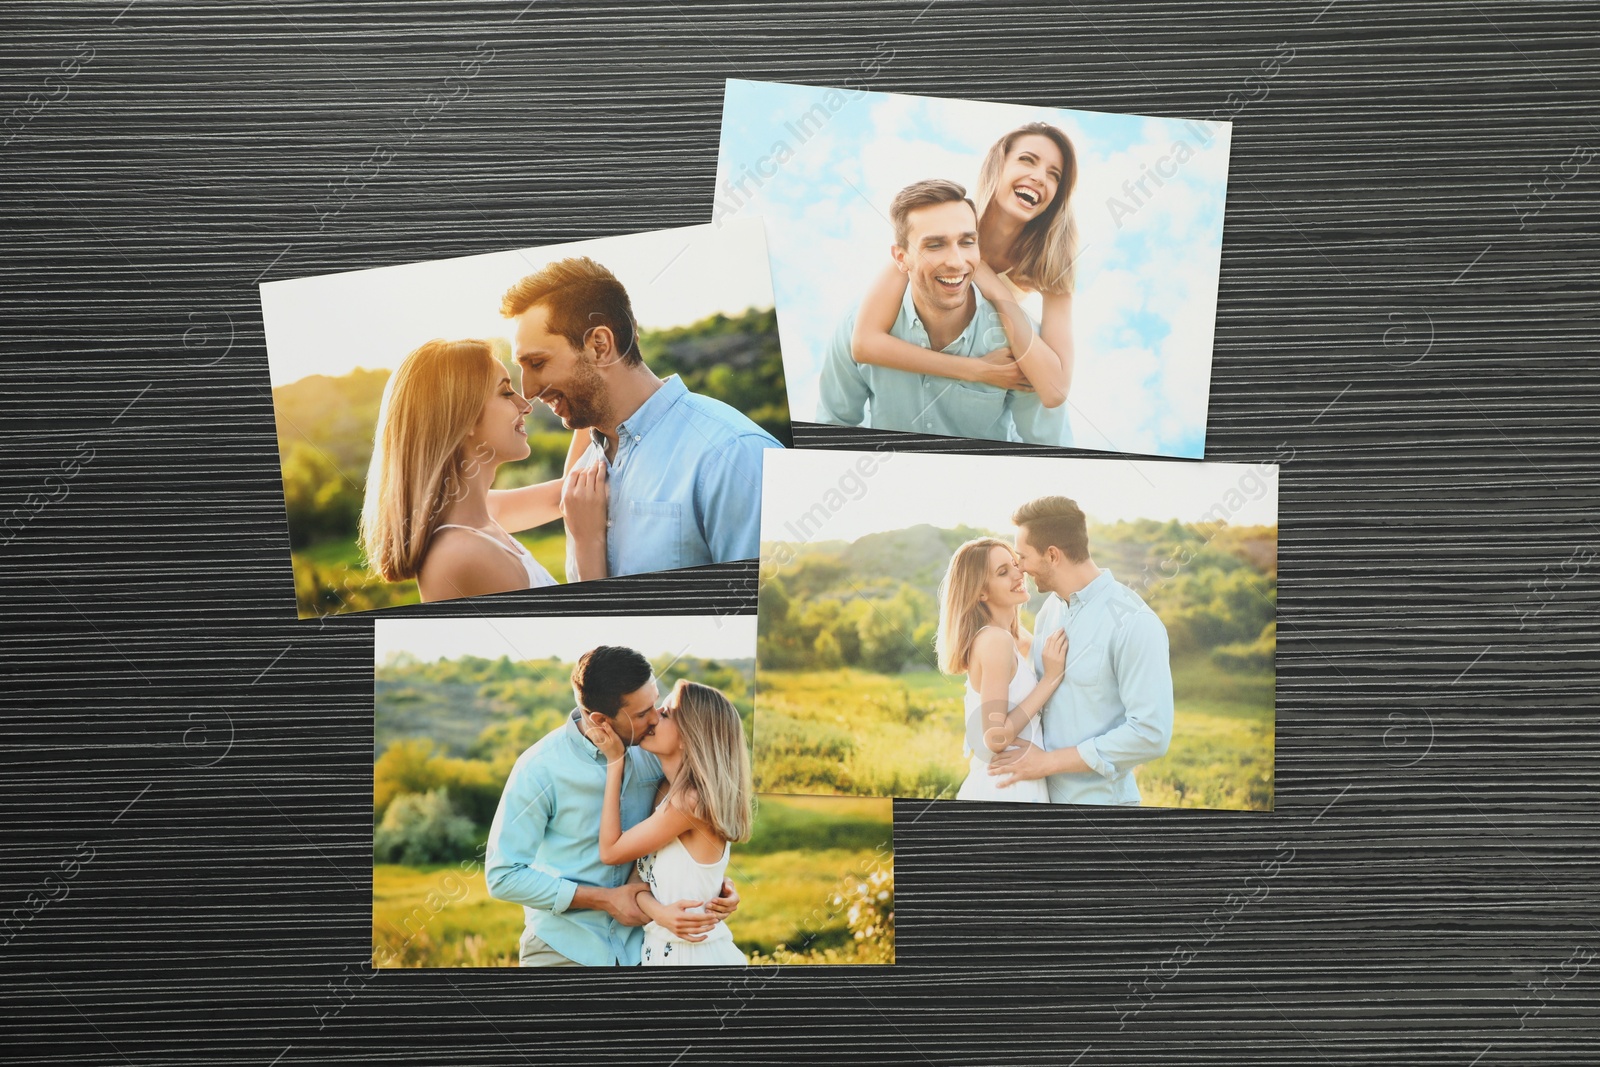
[651, 412]
[584, 746]
[1102, 582]
[908, 308]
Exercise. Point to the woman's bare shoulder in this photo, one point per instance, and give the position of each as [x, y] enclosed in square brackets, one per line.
[462, 563]
[992, 640]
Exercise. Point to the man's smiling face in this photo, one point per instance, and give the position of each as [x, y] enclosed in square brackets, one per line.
[564, 378]
[1034, 563]
[940, 254]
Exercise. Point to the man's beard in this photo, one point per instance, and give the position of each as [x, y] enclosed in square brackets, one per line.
[586, 399]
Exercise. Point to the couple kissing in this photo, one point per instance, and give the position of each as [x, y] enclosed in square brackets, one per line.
[615, 829]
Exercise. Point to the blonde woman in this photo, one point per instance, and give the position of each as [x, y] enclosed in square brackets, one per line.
[450, 417]
[704, 804]
[1028, 240]
[981, 636]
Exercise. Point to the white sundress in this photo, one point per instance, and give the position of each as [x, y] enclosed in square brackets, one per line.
[674, 875]
[980, 784]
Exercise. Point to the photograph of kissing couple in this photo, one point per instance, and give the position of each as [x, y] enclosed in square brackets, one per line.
[997, 272]
[1061, 631]
[515, 420]
[542, 806]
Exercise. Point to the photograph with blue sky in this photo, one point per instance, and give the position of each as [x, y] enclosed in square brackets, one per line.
[821, 166]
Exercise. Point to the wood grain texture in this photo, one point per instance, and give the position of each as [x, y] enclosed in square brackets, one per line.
[1394, 315]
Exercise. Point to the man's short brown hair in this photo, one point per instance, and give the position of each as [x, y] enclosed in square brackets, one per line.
[580, 295]
[603, 676]
[1055, 520]
[924, 194]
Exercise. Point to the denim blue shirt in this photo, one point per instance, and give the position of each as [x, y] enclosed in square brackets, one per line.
[882, 398]
[545, 842]
[1116, 702]
[685, 484]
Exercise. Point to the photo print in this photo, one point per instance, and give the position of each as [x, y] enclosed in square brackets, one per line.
[1019, 629]
[994, 271]
[577, 791]
[521, 419]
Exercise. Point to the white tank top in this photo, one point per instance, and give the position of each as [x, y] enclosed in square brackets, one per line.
[538, 577]
[673, 875]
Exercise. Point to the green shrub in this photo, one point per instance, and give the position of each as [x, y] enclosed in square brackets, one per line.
[420, 829]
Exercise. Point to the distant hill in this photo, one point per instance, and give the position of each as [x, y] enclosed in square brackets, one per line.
[873, 601]
[918, 554]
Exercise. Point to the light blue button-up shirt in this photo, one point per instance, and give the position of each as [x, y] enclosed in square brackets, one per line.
[545, 842]
[883, 398]
[1115, 705]
[685, 484]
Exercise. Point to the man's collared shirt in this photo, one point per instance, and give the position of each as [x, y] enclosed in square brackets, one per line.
[862, 394]
[684, 485]
[1115, 705]
[545, 842]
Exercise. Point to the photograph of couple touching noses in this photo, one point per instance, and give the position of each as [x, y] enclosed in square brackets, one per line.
[657, 477]
[952, 629]
[516, 420]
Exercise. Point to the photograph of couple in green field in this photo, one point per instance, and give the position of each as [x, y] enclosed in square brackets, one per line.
[523, 419]
[577, 791]
[1018, 629]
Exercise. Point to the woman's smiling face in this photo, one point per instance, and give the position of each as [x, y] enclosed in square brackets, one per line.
[502, 426]
[1006, 586]
[1030, 176]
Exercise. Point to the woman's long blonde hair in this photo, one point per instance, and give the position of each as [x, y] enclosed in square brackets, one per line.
[714, 784]
[419, 459]
[961, 613]
[1046, 250]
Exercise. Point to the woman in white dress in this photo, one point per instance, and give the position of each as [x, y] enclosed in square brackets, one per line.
[1029, 243]
[449, 418]
[704, 805]
[981, 636]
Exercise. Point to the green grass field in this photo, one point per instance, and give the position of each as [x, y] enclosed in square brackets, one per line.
[858, 733]
[805, 855]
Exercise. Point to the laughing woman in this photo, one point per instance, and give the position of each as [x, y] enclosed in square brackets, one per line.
[449, 419]
[1028, 240]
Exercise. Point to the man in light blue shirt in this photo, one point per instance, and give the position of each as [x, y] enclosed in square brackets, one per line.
[683, 470]
[1114, 709]
[544, 844]
[936, 247]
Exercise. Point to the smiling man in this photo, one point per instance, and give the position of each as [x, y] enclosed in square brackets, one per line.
[1115, 710]
[683, 470]
[544, 844]
[936, 247]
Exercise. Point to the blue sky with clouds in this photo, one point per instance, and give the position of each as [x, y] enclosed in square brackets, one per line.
[821, 166]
